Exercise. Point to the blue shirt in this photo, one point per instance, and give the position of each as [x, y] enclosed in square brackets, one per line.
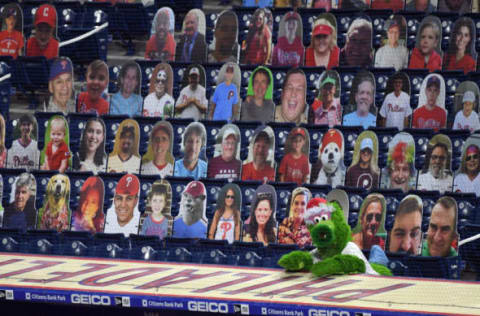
[224, 98]
[131, 106]
[200, 170]
[197, 230]
[260, 4]
[352, 119]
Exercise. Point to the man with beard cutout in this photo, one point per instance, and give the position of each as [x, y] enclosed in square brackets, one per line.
[372, 212]
[191, 102]
[192, 47]
[437, 177]
[125, 160]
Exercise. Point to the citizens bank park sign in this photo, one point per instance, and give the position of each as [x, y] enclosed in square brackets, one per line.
[226, 289]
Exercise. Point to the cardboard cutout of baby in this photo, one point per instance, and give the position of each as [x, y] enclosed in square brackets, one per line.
[159, 101]
[364, 172]
[370, 228]
[224, 47]
[191, 221]
[20, 212]
[24, 151]
[89, 214]
[330, 168]
[55, 213]
[227, 223]
[157, 219]
[56, 153]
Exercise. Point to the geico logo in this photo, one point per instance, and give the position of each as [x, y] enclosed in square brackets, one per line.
[323, 312]
[211, 307]
[90, 299]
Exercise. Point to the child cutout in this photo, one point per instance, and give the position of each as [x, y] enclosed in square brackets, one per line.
[225, 103]
[260, 164]
[466, 104]
[293, 229]
[11, 36]
[432, 113]
[289, 49]
[159, 160]
[157, 219]
[400, 172]
[91, 101]
[43, 42]
[89, 215]
[24, 151]
[330, 168]
[427, 51]
[370, 228]
[226, 223]
[56, 155]
[55, 213]
[159, 101]
[191, 221]
[364, 172]
[226, 163]
[396, 110]
[295, 166]
[20, 212]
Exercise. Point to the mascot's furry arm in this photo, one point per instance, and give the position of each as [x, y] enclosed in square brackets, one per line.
[334, 253]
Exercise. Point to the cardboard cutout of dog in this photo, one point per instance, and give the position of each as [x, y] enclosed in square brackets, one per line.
[55, 213]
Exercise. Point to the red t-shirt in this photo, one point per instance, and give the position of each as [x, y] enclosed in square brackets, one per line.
[295, 170]
[250, 173]
[10, 43]
[85, 105]
[55, 159]
[257, 49]
[424, 118]
[395, 5]
[51, 51]
[168, 48]
[417, 61]
[333, 60]
[467, 63]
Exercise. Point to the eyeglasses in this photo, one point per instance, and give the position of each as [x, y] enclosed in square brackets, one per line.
[230, 197]
[439, 158]
[470, 157]
[378, 217]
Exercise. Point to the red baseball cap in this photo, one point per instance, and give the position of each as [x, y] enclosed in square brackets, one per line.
[298, 131]
[46, 13]
[322, 29]
[332, 136]
[195, 188]
[128, 184]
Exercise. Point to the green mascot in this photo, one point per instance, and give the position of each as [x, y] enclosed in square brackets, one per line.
[335, 253]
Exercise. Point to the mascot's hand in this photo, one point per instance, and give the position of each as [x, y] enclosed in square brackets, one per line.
[339, 264]
[296, 261]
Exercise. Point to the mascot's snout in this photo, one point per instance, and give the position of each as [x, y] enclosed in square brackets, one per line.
[323, 234]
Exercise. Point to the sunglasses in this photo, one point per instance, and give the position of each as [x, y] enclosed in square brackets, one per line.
[439, 158]
[378, 217]
[230, 197]
[470, 157]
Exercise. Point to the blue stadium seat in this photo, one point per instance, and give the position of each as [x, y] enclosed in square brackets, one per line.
[352, 219]
[75, 243]
[179, 126]
[42, 177]
[421, 137]
[110, 246]
[316, 133]
[110, 181]
[284, 191]
[87, 49]
[247, 72]
[458, 138]
[146, 124]
[212, 128]
[393, 197]
[10, 240]
[248, 253]
[178, 185]
[274, 252]
[112, 122]
[350, 135]
[470, 252]
[41, 242]
[247, 129]
[281, 133]
[248, 189]
[319, 190]
[468, 207]
[384, 135]
[413, 23]
[146, 182]
[355, 197]
[146, 248]
[433, 267]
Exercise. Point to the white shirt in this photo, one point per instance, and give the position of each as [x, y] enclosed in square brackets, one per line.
[112, 226]
[155, 107]
[471, 123]
[388, 56]
[19, 156]
[462, 183]
[150, 169]
[426, 181]
[396, 109]
[131, 165]
[191, 111]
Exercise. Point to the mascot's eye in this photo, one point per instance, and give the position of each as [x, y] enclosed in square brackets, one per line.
[319, 219]
[324, 217]
[336, 150]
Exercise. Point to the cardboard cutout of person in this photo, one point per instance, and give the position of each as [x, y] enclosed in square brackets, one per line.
[125, 156]
[161, 45]
[326, 108]
[257, 47]
[455, 6]
[427, 6]
[461, 53]
[322, 4]
[394, 52]
[157, 219]
[354, 4]
[441, 238]
[55, 213]
[258, 105]
[406, 233]
[224, 47]
[361, 110]
[427, 53]
[194, 163]
[3, 149]
[289, 50]
[358, 50]
[260, 164]
[431, 111]
[123, 216]
[293, 229]
[226, 163]
[395, 5]
[396, 110]
[95, 98]
[191, 221]
[60, 85]
[128, 99]
[11, 36]
[261, 225]
[192, 102]
[20, 212]
[323, 49]
[226, 223]
[43, 42]
[225, 102]
[24, 153]
[370, 228]
[467, 179]
[191, 47]
[364, 172]
[293, 107]
[159, 101]
[56, 154]
[295, 164]
[400, 172]
[330, 168]
[91, 155]
[436, 174]
[89, 214]
[159, 160]
[466, 107]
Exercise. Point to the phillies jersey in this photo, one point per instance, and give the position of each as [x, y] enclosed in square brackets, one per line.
[20, 156]
[10, 43]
